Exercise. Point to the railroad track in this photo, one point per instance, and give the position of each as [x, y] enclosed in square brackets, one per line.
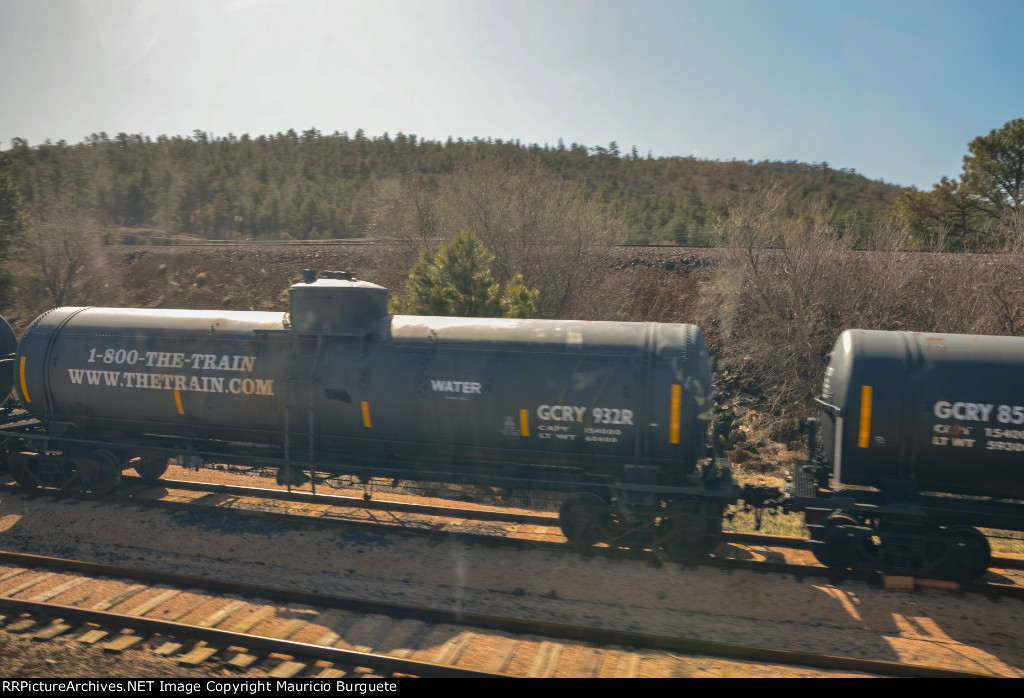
[748, 551]
[163, 241]
[319, 510]
[320, 636]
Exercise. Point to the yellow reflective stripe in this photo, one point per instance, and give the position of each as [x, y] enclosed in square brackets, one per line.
[677, 395]
[366, 415]
[177, 401]
[865, 416]
[524, 422]
[24, 390]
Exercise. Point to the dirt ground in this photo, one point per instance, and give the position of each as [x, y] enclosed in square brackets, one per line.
[930, 626]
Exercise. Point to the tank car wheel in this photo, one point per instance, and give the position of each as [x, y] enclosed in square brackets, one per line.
[14, 472]
[689, 535]
[707, 540]
[969, 554]
[151, 469]
[107, 474]
[25, 481]
[585, 520]
[848, 544]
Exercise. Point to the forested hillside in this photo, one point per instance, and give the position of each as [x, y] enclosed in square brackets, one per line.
[317, 186]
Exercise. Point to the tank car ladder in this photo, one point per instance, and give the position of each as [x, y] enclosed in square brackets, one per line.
[294, 402]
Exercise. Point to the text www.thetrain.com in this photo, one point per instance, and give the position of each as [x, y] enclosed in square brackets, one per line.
[172, 381]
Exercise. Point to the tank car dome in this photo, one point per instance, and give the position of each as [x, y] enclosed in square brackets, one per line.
[335, 304]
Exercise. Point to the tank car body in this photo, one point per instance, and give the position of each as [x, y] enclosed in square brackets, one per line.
[616, 412]
[924, 438]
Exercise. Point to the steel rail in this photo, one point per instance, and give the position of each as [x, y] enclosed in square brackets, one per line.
[348, 502]
[598, 636]
[796, 570]
[550, 520]
[227, 638]
[533, 519]
[434, 532]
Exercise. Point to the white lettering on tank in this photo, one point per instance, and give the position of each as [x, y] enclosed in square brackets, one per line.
[465, 387]
[561, 413]
[963, 411]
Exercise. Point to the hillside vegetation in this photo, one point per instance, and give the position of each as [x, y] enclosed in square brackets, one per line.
[313, 186]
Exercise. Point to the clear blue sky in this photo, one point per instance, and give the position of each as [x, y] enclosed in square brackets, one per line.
[894, 90]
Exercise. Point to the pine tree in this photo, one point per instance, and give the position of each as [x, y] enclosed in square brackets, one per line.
[995, 168]
[458, 282]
